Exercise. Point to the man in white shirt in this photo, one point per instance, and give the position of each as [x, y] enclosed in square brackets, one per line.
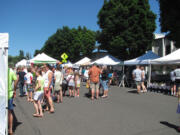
[137, 73]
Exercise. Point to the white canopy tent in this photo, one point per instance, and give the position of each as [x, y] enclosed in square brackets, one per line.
[107, 60]
[68, 64]
[84, 61]
[43, 58]
[142, 60]
[172, 58]
[4, 40]
[23, 62]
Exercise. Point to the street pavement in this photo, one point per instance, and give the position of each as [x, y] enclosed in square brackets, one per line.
[123, 113]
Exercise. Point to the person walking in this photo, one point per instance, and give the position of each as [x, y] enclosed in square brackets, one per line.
[143, 78]
[137, 74]
[58, 77]
[104, 78]
[173, 85]
[48, 88]
[77, 80]
[21, 75]
[29, 85]
[71, 84]
[94, 73]
[38, 94]
[177, 82]
[12, 78]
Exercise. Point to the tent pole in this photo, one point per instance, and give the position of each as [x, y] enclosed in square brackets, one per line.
[123, 75]
[149, 76]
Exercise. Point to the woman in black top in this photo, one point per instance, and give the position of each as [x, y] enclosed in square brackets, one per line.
[104, 77]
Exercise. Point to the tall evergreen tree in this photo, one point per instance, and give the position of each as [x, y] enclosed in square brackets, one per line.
[127, 27]
[170, 19]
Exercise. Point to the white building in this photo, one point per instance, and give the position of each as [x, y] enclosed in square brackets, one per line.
[162, 46]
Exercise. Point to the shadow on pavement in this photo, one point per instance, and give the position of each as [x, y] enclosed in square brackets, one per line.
[170, 125]
[133, 91]
[16, 123]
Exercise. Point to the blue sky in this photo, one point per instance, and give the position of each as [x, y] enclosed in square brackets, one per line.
[30, 22]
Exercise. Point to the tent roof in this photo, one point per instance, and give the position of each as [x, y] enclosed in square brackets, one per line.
[172, 58]
[43, 58]
[68, 64]
[142, 60]
[83, 61]
[107, 60]
[4, 39]
[23, 62]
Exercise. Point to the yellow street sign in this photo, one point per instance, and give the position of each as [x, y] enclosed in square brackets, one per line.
[64, 57]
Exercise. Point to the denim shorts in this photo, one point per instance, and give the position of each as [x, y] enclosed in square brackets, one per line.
[29, 87]
[105, 84]
[10, 104]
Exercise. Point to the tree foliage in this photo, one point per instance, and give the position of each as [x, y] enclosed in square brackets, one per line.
[76, 43]
[127, 27]
[12, 60]
[170, 19]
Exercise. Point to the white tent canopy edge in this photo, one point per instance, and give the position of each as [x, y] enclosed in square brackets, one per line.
[4, 40]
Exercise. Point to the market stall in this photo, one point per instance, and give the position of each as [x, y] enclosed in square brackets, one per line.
[83, 62]
[23, 62]
[161, 68]
[143, 60]
[108, 60]
[43, 58]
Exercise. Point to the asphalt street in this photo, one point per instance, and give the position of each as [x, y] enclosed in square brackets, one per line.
[123, 113]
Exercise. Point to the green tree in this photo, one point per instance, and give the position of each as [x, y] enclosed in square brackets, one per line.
[28, 56]
[127, 27]
[76, 43]
[21, 54]
[36, 52]
[170, 19]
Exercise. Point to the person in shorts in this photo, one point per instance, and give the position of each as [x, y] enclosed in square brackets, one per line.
[11, 95]
[94, 73]
[143, 78]
[105, 79]
[38, 94]
[48, 88]
[172, 83]
[137, 73]
[77, 80]
[71, 84]
[28, 82]
[58, 77]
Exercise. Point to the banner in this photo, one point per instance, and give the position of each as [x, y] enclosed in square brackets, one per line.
[3, 82]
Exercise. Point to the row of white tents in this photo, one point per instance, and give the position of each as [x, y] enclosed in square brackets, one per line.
[148, 58]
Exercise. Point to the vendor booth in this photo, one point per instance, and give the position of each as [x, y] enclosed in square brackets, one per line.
[108, 60]
[4, 39]
[143, 60]
[83, 62]
[161, 68]
[172, 58]
[23, 62]
[43, 58]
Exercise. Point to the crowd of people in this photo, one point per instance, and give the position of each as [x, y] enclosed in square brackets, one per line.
[43, 85]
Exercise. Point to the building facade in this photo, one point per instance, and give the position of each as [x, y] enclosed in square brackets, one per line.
[162, 46]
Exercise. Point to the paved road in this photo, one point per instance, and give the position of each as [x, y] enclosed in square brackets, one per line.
[122, 113]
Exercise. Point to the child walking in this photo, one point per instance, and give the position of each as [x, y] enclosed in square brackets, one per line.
[77, 84]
